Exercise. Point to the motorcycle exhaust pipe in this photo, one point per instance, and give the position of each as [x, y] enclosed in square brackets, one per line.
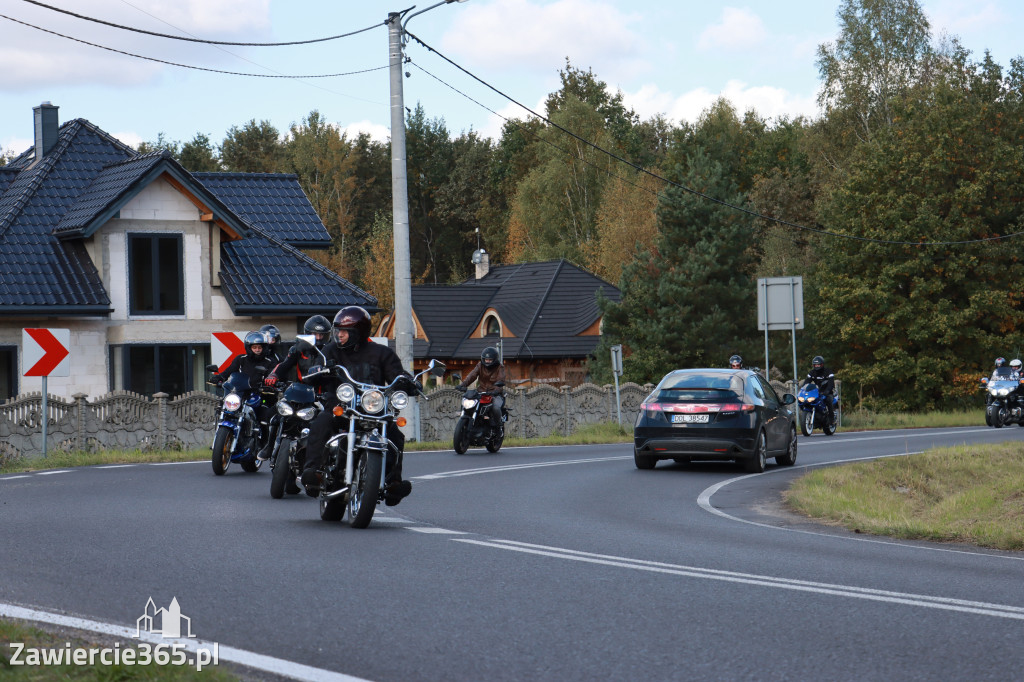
[337, 493]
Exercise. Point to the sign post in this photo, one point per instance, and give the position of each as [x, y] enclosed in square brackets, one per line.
[780, 307]
[45, 353]
[616, 373]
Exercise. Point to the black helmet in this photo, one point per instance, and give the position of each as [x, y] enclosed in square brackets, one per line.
[1000, 361]
[272, 334]
[254, 339]
[818, 362]
[736, 362]
[356, 321]
[489, 357]
[319, 327]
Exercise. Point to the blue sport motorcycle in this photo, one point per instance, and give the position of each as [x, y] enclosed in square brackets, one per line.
[238, 433]
[814, 411]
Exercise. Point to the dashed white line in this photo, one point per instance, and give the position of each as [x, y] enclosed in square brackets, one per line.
[51, 473]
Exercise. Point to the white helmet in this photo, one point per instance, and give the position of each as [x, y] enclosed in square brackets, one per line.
[1015, 364]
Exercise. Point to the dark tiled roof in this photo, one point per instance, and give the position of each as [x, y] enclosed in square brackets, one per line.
[7, 176]
[262, 275]
[546, 305]
[272, 201]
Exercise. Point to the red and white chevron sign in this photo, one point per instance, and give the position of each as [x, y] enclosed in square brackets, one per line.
[224, 347]
[45, 352]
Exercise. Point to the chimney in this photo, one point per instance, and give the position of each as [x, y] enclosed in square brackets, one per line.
[46, 128]
[482, 262]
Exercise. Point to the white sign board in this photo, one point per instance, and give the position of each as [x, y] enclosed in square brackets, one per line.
[224, 347]
[46, 352]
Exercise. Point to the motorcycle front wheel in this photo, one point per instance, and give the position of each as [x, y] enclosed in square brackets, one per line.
[362, 494]
[281, 472]
[221, 458]
[807, 423]
[461, 440]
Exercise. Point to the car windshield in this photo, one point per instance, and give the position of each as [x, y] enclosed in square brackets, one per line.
[700, 388]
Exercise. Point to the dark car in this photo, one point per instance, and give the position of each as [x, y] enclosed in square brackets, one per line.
[717, 414]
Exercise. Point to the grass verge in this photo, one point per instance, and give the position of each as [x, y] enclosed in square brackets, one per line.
[970, 494]
[589, 434]
[865, 420]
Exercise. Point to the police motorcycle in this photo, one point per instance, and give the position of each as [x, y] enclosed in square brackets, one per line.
[475, 426]
[239, 434]
[296, 408]
[814, 410]
[1005, 399]
[358, 458]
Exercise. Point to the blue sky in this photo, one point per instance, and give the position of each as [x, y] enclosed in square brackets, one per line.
[672, 57]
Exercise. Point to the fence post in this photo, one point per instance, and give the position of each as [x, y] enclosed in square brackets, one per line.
[565, 402]
[161, 429]
[79, 419]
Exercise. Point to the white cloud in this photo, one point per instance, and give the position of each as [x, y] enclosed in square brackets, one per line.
[380, 133]
[958, 18]
[767, 101]
[131, 139]
[738, 29]
[15, 145]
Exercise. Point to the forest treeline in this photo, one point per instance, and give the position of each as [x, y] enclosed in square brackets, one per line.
[892, 204]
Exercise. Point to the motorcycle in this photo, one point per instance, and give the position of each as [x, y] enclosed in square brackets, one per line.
[359, 458]
[814, 411]
[296, 408]
[239, 432]
[1006, 403]
[475, 426]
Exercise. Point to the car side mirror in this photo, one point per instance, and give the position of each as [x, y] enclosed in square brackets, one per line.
[788, 399]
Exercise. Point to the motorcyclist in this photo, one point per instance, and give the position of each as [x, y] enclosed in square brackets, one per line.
[1015, 365]
[273, 336]
[825, 380]
[488, 373]
[255, 365]
[735, 362]
[367, 362]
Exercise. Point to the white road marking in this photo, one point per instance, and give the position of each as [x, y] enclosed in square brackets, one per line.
[852, 592]
[279, 666]
[116, 466]
[51, 473]
[437, 531]
[11, 478]
[168, 464]
[515, 467]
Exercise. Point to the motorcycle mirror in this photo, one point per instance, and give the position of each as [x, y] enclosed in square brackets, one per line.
[305, 341]
[436, 368]
[212, 368]
[500, 384]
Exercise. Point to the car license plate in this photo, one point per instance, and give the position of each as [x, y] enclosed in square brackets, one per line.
[690, 418]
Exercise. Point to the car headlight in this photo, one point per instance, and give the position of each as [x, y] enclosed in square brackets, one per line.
[400, 400]
[284, 409]
[468, 403]
[1004, 391]
[373, 401]
[306, 413]
[232, 401]
[345, 393]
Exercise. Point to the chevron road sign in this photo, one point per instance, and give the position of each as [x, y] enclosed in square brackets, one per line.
[45, 352]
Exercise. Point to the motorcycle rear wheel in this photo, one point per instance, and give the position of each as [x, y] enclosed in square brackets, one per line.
[363, 493]
[281, 472]
[807, 424]
[221, 458]
[251, 465]
[829, 427]
[332, 509]
[494, 443]
[461, 440]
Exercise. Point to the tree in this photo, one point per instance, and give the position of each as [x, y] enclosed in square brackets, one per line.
[626, 224]
[686, 303]
[160, 144]
[379, 271]
[199, 156]
[253, 148]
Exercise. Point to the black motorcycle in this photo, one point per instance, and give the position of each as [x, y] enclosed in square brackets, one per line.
[296, 409]
[360, 457]
[476, 426]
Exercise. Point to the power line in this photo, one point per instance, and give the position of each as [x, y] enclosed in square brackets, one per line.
[700, 194]
[197, 40]
[189, 66]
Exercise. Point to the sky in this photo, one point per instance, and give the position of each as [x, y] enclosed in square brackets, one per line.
[668, 57]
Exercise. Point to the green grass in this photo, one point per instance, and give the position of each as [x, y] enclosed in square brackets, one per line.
[862, 420]
[50, 637]
[589, 434]
[970, 494]
[62, 459]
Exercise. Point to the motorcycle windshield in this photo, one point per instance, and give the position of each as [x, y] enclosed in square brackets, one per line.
[237, 383]
[300, 393]
[1002, 384]
[809, 392]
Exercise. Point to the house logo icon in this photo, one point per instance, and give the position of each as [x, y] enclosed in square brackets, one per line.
[168, 623]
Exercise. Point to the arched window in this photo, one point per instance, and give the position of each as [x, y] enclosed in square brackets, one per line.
[492, 327]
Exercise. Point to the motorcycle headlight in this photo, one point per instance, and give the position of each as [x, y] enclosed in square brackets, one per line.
[801, 399]
[400, 400]
[993, 391]
[468, 403]
[307, 413]
[345, 393]
[1004, 391]
[284, 409]
[232, 401]
[373, 401]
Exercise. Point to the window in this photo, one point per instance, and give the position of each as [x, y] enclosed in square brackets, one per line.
[491, 326]
[8, 372]
[173, 369]
[155, 276]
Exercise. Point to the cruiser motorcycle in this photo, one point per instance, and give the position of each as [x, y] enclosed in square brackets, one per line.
[814, 411]
[475, 426]
[1005, 402]
[239, 432]
[360, 457]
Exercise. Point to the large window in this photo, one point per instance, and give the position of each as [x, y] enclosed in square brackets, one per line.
[8, 372]
[155, 276]
[173, 369]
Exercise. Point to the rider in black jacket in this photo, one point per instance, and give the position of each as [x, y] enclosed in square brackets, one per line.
[825, 380]
[367, 362]
[255, 365]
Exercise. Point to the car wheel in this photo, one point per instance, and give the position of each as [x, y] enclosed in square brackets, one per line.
[789, 459]
[759, 460]
[643, 461]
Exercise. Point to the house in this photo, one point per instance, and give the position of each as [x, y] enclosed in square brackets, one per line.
[142, 261]
[543, 317]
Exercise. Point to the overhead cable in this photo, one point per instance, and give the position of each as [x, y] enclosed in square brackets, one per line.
[198, 40]
[755, 214]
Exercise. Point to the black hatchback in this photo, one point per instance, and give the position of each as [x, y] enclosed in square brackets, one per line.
[715, 414]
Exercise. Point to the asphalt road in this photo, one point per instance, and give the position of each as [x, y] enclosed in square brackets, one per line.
[532, 564]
